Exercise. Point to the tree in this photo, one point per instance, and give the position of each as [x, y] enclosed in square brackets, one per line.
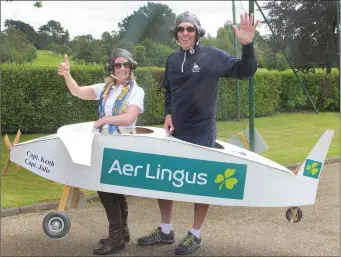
[308, 29]
[273, 61]
[96, 51]
[25, 28]
[152, 21]
[52, 32]
[157, 53]
[15, 47]
[87, 49]
[140, 54]
[80, 47]
[38, 4]
[109, 40]
[5, 48]
[59, 48]
[125, 44]
[225, 41]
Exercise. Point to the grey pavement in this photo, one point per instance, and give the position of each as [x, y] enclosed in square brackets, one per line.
[227, 231]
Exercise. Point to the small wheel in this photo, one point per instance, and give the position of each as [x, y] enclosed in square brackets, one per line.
[294, 214]
[56, 224]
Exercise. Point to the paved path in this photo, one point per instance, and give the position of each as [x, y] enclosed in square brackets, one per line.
[228, 231]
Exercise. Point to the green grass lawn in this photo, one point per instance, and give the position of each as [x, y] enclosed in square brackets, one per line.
[290, 137]
[48, 58]
[317, 70]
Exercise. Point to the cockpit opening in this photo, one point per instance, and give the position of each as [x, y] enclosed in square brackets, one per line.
[219, 146]
[143, 131]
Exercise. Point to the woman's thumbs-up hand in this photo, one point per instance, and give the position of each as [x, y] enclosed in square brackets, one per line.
[64, 67]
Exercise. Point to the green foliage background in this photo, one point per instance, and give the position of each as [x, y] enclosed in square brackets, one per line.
[37, 100]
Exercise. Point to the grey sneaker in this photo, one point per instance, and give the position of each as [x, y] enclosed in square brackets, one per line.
[188, 245]
[157, 237]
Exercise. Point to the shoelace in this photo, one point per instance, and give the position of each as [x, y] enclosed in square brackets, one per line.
[187, 240]
[154, 232]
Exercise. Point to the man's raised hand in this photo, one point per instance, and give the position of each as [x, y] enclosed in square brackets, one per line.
[246, 32]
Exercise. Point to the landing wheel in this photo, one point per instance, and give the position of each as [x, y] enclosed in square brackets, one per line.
[56, 224]
[294, 214]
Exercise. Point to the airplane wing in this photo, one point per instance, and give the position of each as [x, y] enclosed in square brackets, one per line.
[242, 140]
[78, 139]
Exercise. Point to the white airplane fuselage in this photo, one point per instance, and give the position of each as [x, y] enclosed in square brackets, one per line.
[157, 166]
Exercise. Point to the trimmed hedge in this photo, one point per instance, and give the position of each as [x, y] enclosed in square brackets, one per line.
[36, 99]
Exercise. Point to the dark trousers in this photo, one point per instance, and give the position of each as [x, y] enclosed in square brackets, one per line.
[204, 139]
[116, 209]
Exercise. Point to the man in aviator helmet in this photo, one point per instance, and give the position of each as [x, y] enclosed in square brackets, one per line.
[191, 82]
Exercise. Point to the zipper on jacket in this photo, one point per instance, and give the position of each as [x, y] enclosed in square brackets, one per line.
[182, 66]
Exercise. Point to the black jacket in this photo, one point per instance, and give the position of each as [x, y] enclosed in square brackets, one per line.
[191, 82]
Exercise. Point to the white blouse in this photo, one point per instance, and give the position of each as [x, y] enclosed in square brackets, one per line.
[136, 98]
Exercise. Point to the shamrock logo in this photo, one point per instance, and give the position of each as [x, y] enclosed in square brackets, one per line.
[312, 169]
[226, 179]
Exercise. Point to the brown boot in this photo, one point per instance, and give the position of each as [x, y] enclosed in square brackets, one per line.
[115, 241]
[124, 215]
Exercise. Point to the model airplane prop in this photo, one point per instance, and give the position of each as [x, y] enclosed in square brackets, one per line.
[152, 164]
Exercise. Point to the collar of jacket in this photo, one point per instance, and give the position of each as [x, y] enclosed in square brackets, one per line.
[193, 50]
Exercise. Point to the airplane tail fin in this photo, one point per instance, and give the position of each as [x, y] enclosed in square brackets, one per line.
[312, 166]
[309, 172]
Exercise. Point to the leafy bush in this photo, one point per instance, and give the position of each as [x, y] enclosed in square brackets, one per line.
[37, 100]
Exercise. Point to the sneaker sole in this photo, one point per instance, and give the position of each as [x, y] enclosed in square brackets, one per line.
[159, 242]
[198, 246]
